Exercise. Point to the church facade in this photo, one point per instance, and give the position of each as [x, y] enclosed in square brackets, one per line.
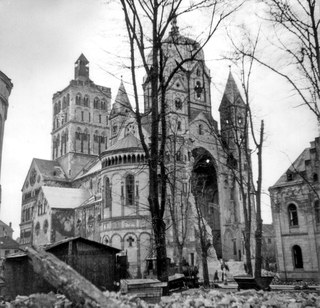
[96, 184]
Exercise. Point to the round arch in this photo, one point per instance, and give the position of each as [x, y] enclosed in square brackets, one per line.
[204, 186]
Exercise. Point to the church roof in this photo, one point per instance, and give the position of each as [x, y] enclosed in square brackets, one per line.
[121, 104]
[50, 169]
[65, 198]
[83, 59]
[231, 93]
[90, 168]
[130, 142]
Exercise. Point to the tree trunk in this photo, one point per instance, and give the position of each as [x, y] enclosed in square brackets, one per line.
[180, 257]
[247, 246]
[160, 242]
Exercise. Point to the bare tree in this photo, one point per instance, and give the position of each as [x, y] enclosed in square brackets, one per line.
[147, 23]
[295, 25]
[242, 132]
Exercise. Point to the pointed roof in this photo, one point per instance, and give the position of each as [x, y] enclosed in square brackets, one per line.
[83, 59]
[66, 198]
[121, 104]
[231, 93]
[297, 167]
[50, 169]
[130, 142]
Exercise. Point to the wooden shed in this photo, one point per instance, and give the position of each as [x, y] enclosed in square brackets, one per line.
[94, 261]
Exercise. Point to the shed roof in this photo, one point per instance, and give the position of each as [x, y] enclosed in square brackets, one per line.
[60, 197]
[83, 240]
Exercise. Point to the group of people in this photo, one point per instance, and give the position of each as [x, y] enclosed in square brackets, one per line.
[224, 269]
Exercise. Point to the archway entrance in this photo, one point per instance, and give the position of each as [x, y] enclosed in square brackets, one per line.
[205, 190]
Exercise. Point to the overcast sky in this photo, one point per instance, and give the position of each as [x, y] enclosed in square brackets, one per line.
[39, 43]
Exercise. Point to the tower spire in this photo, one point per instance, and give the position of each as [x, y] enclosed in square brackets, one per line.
[81, 68]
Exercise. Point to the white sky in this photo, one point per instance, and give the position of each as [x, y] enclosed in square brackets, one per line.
[39, 43]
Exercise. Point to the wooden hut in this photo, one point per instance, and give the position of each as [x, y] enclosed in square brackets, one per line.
[94, 261]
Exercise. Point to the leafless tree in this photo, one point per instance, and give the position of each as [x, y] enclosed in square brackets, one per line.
[147, 23]
[295, 35]
[241, 165]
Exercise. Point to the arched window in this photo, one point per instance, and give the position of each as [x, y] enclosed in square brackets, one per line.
[78, 99]
[293, 215]
[179, 125]
[107, 192]
[96, 103]
[317, 211]
[86, 101]
[130, 189]
[297, 256]
[198, 89]
[178, 156]
[178, 103]
[103, 105]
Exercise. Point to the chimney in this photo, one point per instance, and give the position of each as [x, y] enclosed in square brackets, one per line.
[10, 224]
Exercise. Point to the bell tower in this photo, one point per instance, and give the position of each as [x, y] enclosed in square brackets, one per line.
[233, 115]
[80, 120]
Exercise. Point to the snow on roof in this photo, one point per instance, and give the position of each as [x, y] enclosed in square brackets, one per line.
[59, 197]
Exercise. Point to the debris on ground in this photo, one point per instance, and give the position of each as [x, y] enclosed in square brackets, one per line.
[193, 298]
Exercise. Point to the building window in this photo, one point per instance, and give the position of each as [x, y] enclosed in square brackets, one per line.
[179, 125]
[293, 215]
[178, 156]
[200, 129]
[315, 177]
[45, 226]
[198, 89]
[82, 116]
[78, 99]
[37, 228]
[130, 189]
[289, 176]
[96, 103]
[107, 192]
[99, 118]
[317, 211]
[86, 101]
[178, 103]
[297, 256]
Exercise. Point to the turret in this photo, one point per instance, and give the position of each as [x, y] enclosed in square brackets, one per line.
[81, 68]
[232, 112]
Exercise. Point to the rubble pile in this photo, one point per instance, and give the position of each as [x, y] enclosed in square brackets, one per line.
[38, 300]
[242, 299]
[197, 298]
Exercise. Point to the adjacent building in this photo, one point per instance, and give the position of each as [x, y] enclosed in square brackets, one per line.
[96, 185]
[5, 90]
[296, 217]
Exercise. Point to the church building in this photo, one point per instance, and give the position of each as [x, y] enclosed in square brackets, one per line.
[96, 184]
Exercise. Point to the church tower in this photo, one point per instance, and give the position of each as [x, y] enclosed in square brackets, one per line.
[80, 120]
[233, 114]
[121, 110]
